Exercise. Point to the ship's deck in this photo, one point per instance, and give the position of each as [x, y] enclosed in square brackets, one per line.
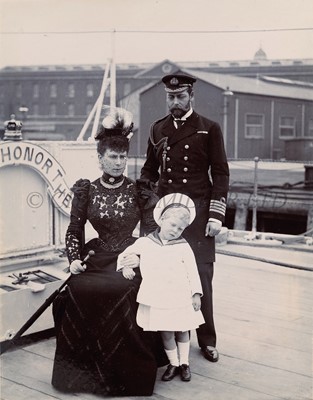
[263, 315]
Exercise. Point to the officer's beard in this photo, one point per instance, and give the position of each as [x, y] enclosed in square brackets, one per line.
[177, 112]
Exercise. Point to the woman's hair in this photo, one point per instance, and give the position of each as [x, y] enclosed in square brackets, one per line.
[117, 143]
[178, 211]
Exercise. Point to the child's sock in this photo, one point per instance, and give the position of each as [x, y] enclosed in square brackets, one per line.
[172, 356]
[183, 351]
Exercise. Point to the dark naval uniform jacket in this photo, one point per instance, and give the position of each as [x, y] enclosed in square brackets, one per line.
[191, 160]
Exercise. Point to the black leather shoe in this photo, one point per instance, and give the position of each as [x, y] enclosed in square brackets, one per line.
[170, 373]
[210, 355]
[185, 373]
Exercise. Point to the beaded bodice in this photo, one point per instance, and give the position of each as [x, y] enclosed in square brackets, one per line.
[113, 213]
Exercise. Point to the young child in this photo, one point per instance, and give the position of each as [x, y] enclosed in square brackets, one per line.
[170, 291]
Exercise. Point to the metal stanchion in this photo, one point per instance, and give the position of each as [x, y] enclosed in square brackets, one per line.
[255, 195]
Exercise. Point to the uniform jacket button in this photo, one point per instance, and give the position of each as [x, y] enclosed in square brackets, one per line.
[169, 169]
[168, 148]
[185, 169]
[186, 158]
[170, 181]
[184, 180]
[167, 158]
[186, 146]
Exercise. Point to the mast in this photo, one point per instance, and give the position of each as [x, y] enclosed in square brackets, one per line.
[113, 71]
[109, 79]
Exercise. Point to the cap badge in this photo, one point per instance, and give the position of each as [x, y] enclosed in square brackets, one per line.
[174, 81]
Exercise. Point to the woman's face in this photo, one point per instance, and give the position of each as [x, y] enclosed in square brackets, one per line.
[113, 162]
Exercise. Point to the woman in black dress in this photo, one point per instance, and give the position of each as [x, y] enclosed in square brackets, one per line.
[99, 347]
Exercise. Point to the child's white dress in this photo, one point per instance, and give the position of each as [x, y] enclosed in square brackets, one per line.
[169, 280]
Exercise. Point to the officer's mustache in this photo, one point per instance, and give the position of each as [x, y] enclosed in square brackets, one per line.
[176, 109]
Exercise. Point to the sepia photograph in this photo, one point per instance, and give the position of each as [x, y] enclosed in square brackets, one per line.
[156, 201]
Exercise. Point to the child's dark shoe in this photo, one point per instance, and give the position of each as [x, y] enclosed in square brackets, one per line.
[185, 373]
[170, 373]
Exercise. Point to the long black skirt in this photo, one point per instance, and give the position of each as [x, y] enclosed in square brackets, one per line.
[99, 347]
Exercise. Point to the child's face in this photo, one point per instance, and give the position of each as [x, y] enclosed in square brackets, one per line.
[171, 227]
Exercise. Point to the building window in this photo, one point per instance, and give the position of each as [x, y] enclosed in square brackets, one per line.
[310, 130]
[254, 126]
[167, 68]
[53, 90]
[89, 108]
[53, 110]
[71, 90]
[71, 110]
[127, 88]
[18, 90]
[90, 91]
[287, 127]
[35, 90]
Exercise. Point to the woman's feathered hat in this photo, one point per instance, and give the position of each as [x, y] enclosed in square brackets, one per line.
[117, 121]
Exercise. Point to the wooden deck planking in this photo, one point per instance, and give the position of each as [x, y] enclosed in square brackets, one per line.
[272, 316]
[264, 330]
[263, 316]
[258, 378]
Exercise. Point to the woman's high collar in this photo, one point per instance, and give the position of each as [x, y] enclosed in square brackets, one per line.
[110, 181]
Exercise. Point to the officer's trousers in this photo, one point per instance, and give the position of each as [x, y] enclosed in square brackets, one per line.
[206, 332]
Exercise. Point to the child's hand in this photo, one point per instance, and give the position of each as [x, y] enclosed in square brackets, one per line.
[196, 301]
[128, 273]
[130, 260]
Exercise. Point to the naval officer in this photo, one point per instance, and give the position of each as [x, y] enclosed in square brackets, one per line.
[186, 155]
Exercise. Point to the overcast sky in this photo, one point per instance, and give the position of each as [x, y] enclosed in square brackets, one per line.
[37, 32]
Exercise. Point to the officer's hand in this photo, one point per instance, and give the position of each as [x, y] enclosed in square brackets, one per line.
[213, 228]
[76, 267]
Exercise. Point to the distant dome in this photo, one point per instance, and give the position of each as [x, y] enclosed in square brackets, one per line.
[260, 55]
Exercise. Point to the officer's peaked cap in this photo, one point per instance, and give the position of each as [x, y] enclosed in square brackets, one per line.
[177, 83]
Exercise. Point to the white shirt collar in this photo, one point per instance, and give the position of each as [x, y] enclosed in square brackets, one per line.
[188, 113]
[184, 117]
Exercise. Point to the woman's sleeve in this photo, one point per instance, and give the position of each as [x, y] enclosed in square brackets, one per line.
[147, 199]
[74, 238]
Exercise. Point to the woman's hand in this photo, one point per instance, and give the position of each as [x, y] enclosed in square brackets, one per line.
[76, 267]
[130, 260]
[196, 301]
[128, 273]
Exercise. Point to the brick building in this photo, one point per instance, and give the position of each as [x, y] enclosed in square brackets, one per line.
[270, 101]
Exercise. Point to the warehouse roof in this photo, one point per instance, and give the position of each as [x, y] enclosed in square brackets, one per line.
[262, 86]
